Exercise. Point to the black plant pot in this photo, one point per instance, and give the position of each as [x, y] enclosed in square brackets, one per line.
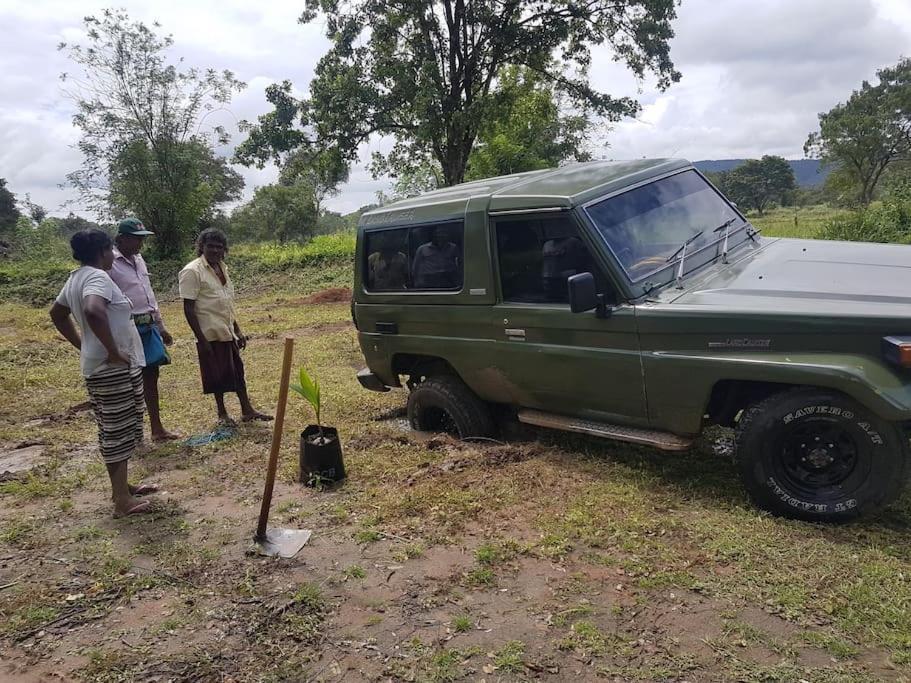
[321, 459]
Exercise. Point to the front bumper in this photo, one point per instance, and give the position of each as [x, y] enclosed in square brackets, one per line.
[370, 381]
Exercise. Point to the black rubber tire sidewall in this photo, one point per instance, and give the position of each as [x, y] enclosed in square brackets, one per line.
[470, 415]
[760, 426]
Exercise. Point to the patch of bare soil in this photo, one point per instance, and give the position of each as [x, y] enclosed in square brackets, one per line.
[333, 295]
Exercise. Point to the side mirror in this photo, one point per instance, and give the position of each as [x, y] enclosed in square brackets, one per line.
[583, 295]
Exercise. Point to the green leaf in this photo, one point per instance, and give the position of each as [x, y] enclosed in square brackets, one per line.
[309, 389]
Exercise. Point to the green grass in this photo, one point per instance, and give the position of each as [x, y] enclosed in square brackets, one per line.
[511, 657]
[355, 571]
[804, 222]
[586, 515]
[462, 623]
[36, 279]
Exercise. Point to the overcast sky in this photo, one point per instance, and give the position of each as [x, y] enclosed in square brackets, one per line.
[755, 75]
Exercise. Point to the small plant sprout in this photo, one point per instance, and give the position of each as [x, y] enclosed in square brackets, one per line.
[308, 387]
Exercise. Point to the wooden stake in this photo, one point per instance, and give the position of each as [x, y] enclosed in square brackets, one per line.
[276, 439]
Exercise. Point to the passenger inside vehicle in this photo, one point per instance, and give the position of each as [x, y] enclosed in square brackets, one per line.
[387, 268]
[436, 263]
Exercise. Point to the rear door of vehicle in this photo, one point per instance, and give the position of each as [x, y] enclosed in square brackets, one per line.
[550, 358]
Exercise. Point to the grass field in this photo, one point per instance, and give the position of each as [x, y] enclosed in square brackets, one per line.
[548, 556]
[804, 222]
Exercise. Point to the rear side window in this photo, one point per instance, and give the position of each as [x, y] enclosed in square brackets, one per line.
[537, 256]
[420, 258]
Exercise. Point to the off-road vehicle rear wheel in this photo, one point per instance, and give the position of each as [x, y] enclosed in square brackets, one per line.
[445, 404]
[819, 456]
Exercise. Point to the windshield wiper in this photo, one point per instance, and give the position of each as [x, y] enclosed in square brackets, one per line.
[726, 226]
[682, 248]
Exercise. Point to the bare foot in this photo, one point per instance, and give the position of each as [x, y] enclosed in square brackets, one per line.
[164, 435]
[256, 415]
[226, 421]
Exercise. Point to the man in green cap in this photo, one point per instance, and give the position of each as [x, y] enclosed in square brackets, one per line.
[129, 272]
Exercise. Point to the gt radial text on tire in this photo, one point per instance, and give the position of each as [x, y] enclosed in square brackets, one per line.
[820, 456]
[445, 404]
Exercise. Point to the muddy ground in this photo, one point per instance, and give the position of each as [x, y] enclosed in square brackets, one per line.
[541, 557]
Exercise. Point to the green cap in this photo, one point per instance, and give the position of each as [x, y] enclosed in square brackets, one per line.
[132, 226]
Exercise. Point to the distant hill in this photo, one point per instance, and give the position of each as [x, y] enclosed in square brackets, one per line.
[807, 172]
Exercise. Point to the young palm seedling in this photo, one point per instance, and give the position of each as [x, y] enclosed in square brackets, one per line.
[320, 449]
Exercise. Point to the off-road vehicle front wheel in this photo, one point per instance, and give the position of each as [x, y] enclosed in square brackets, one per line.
[446, 404]
[819, 456]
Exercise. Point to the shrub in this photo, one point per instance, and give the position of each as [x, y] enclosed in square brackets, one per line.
[889, 221]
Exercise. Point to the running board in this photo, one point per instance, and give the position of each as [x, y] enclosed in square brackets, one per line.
[648, 437]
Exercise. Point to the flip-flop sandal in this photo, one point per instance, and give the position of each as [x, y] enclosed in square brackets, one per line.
[172, 436]
[144, 489]
[259, 417]
[144, 506]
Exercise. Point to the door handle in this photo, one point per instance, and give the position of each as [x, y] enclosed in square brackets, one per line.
[515, 334]
[387, 328]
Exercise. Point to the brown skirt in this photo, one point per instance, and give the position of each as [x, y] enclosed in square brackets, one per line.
[222, 370]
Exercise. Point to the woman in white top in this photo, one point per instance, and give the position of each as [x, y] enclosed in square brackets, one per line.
[111, 357]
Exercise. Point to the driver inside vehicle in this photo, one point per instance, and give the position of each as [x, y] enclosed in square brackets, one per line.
[563, 255]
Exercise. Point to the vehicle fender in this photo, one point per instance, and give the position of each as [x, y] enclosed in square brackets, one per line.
[679, 383]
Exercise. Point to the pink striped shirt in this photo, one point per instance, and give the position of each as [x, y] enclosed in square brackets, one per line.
[132, 276]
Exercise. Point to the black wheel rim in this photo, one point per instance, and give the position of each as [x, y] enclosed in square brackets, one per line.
[436, 419]
[820, 459]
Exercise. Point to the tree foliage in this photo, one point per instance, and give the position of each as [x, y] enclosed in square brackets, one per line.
[34, 211]
[757, 183]
[9, 212]
[69, 226]
[867, 134]
[321, 170]
[425, 71]
[277, 212]
[526, 130]
[146, 146]
[278, 138]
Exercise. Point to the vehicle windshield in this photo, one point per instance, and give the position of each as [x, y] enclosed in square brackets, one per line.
[646, 226]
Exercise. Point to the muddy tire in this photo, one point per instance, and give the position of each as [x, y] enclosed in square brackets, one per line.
[445, 404]
[819, 456]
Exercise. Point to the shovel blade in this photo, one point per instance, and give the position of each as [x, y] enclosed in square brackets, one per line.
[282, 542]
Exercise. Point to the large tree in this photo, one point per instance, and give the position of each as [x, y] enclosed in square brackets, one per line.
[278, 138]
[173, 192]
[527, 131]
[277, 212]
[425, 71]
[757, 183]
[9, 212]
[145, 128]
[867, 134]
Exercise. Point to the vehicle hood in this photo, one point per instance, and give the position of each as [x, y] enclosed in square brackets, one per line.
[808, 276]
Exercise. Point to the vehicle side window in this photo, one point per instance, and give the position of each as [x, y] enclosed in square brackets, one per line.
[537, 256]
[425, 257]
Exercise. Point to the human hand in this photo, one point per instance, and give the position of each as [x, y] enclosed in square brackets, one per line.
[166, 337]
[241, 342]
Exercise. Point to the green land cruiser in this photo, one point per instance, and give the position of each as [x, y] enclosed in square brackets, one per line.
[631, 300]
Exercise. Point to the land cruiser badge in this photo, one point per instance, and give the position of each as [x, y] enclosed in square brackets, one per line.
[741, 343]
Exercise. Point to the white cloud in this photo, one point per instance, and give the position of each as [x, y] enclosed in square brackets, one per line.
[755, 75]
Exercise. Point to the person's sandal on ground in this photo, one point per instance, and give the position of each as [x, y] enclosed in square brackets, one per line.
[143, 489]
[136, 509]
[256, 415]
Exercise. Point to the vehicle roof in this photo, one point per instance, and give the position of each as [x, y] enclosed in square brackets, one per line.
[563, 187]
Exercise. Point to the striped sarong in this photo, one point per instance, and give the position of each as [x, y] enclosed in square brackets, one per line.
[116, 395]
